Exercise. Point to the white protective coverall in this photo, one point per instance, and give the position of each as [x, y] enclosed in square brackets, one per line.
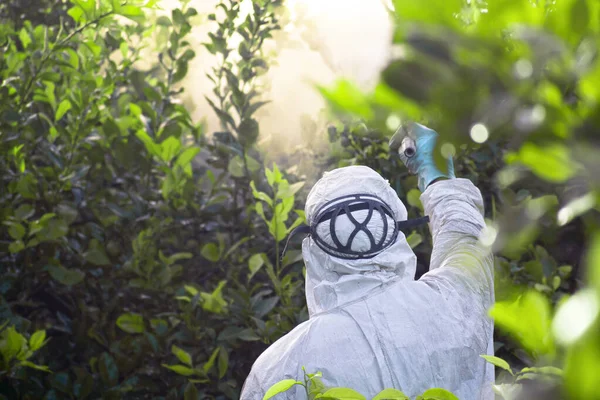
[371, 325]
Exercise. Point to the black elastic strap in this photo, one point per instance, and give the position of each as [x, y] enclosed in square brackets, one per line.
[354, 207]
[304, 229]
[411, 223]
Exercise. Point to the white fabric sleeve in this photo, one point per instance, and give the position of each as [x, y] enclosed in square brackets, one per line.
[459, 263]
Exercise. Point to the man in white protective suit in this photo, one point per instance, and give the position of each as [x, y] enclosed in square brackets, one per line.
[371, 325]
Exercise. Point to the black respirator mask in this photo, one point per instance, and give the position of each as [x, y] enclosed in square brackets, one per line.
[346, 205]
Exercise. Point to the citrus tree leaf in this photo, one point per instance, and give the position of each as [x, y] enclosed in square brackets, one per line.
[280, 387]
[390, 394]
[498, 362]
[131, 323]
[182, 355]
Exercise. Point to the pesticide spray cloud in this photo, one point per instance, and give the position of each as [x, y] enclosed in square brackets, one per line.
[322, 40]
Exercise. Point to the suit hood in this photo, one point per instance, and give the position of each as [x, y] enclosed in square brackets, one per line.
[332, 282]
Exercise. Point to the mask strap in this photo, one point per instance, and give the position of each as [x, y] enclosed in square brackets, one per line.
[303, 229]
[402, 225]
[411, 223]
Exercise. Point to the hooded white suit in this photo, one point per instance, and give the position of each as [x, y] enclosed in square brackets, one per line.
[372, 326]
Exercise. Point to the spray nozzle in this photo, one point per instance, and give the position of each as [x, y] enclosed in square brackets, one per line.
[408, 147]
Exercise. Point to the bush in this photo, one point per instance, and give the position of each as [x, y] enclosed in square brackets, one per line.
[147, 268]
[148, 251]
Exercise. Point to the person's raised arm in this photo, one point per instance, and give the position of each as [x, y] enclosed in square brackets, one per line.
[459, 262]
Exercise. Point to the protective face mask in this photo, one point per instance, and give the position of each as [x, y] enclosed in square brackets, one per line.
[372, 241]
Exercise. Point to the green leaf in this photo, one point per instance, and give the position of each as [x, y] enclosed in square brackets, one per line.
[172, 259]
[187, 156]
[131, 323]
[190, 289]
[342, 394]
[76, 13]
[96, 254]
[438, 394]
[277, 229]
[211, 361]
[233, 249]
[223, 362]
[414, 239]
[414, 198]
[211, 252]
[25, 38]
[178, 17]
[299, 221]
[290, 190]
[108, 370]
[16, 230]
[169, 148]
[391, 394]
[576, 316]
[260, 195]
[248, 132]
[548, 370]
[253, 165]
[280, 387]
[236, 167]
[163, 21]
[12, 344]
[160, 326]
[50, 94]
[36, 341]
[551, 162]
[248, 335]
[214, 302]
[124, 49]
[182, 355]
[223, 116]
[69, 277]
[580, 17]
[132, 12]
[436, 12]
[254, 107]
[581, 368]
[191, 393]
[260, 211]
[346, 98]
[527, 320]
[24, 211]
[180, 369]
[29, 364]
[16, 246]
[94, 48]
[61, 382]
[593, 261]
[255, 263]
[62, 109]
[152, 147]
[263, 307]
[498, 362]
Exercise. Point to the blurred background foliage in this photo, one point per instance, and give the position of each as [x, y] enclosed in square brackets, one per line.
[140, 253]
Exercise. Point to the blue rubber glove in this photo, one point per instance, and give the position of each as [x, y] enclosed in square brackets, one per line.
[415, 144]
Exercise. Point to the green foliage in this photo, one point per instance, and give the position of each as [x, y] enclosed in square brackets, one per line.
[529, 320]
[280, 387]
[148, 252]
[508, 87]
[131, 253]
[390, 394]
[315, 389]
[16, 350]
[280, 205]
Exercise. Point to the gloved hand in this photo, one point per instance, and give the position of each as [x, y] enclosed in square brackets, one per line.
[415, 144]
